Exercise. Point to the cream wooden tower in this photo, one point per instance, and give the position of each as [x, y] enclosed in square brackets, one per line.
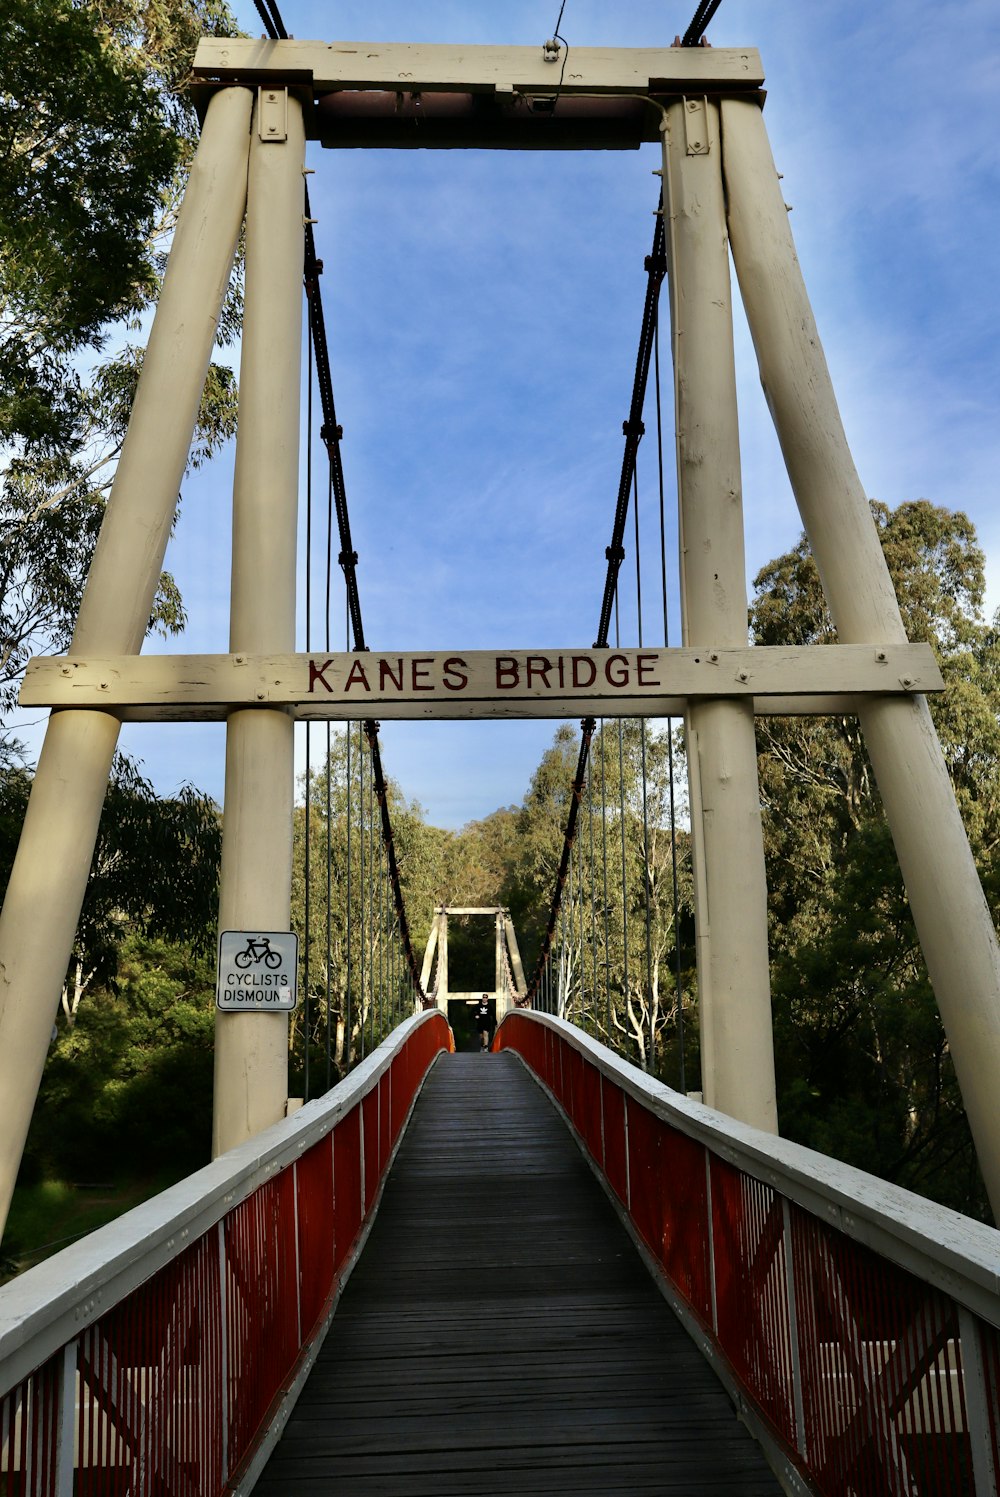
[721, 193]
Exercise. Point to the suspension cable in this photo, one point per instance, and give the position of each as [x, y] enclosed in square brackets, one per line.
[349, 922]
[331, 434]
[621, 830]
[307, 849]
[271, 16]
[593, 896]
[607, 907]
[699, 22]
[327, 644]
[647, 872]
[632, 429]
[676, 902]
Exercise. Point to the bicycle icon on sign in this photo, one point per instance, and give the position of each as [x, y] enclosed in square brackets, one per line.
[256, 952]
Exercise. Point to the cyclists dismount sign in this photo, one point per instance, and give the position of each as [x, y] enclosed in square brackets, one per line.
[257, 971]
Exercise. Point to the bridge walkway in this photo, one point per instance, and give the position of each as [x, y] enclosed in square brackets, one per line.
[500, 1333]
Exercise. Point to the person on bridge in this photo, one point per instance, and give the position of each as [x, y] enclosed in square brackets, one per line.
[484, 1022]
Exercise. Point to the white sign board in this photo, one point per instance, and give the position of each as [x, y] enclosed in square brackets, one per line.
[257, 971]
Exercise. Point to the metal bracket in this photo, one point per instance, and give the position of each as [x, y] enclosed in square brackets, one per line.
[272, 114]
[696, 139]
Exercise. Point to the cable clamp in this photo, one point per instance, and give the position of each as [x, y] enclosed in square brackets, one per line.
[613, 553]
[347, 559]
[324, 434]
[633, 428]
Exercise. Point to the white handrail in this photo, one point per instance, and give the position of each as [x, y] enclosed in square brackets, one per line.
[47, 1306]
[957, 1255]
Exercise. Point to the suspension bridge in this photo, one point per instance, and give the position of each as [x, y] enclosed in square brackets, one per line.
[536, 1270]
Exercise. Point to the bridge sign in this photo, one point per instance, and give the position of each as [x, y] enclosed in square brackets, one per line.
[257, 971]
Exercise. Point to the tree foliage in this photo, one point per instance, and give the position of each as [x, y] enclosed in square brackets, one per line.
[95, 136]
[154, 873]
[127, 1090]
[354, 982]
[863, 1064]
[620, 930]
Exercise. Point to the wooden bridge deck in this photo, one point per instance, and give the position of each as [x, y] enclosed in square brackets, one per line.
[500, 1333]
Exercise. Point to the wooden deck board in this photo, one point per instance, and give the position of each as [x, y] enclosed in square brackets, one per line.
[500, 1333]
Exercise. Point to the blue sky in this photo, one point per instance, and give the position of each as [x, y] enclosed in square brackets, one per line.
[483, 312]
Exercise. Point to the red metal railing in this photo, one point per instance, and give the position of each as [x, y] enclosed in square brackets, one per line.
[855, 1325]
[120, 1382]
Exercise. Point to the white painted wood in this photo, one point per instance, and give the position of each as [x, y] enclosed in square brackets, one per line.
[788, 1265]
[959, 1256]
[428, 963]
[515, 954]
[949, 909]
[48, 1306]
[416, 66]
[734, 977]
[980, 1400]
[289, 1395]
[476, 683]
[251, 1050]
[49, 877]
[65, 1443]
[441, 989]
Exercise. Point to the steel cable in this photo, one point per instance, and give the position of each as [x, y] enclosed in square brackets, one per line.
[621, 828]
[699, 22]
[645, 812]
[307, 910]
[331, 434]
[632, 428]
[678, 968]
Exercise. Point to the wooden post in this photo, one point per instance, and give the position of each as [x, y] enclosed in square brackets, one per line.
[428, 963]
[49, 876]
[442, 974]
[517, 970]
[731, 907]
[951, 915]
[251, 1050]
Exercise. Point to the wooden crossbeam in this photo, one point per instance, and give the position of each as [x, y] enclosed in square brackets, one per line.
[481, 683]
[414, 67]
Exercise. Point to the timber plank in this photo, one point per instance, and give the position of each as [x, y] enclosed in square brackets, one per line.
[500, 1333]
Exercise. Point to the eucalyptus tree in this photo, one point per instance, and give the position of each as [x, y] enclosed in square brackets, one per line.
[354, 983]
[615, 956]
[96, 131]
[864, 1070]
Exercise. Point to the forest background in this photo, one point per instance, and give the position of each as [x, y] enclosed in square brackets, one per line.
[89, 187]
